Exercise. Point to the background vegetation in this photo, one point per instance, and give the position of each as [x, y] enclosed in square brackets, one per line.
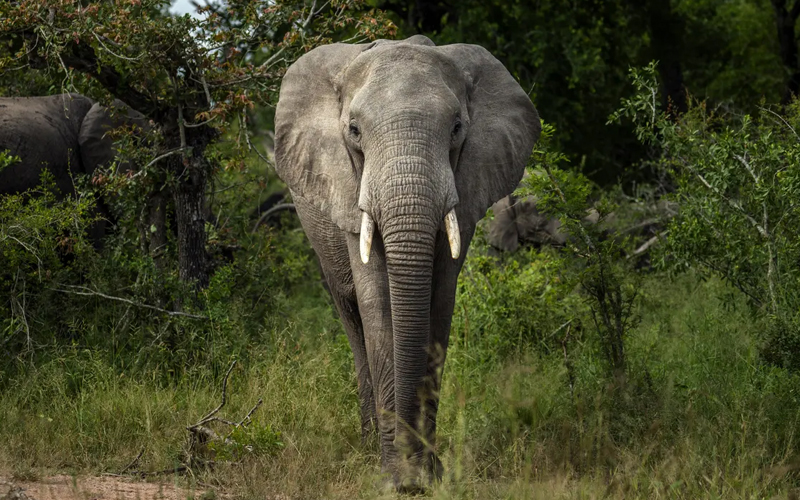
[630, 363]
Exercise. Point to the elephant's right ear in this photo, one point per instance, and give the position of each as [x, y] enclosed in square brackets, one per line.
[96, 144]
[310, 153]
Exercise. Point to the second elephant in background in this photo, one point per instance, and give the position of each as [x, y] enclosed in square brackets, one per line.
[67, 134]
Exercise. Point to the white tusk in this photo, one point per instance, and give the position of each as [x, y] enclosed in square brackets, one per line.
[367, 228]
[453, 234]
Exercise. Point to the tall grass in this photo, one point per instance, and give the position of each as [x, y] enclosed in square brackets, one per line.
[704, 418]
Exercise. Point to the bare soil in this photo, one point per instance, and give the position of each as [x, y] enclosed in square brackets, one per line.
[94, 488]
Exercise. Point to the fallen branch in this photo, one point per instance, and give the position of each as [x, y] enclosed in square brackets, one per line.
[216, 410]
[133, 462]
[82, 290]
[201, 433]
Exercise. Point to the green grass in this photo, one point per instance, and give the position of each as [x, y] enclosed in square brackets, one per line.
[701, 416]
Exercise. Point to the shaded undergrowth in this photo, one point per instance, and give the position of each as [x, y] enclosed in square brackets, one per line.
[702, 417]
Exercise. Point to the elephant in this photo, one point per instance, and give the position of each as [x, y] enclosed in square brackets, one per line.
[517, 221]
[66, 134]
[392, 151]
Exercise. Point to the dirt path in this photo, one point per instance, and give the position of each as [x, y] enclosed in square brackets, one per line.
[93, 488]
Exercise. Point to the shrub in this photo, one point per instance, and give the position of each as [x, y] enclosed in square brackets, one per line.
[737, 184]
[607, 281]
[512, 302]
[42, 240]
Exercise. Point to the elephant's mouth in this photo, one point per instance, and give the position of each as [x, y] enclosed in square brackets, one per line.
[450, 225]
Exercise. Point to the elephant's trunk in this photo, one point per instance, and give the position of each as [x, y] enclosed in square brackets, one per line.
[411, 213]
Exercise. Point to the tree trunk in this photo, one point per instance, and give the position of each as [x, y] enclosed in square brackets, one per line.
[785, 23]
[667, 32]
[189, 195]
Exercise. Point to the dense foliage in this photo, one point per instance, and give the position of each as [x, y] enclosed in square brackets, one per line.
[574, 58]
[738, 183]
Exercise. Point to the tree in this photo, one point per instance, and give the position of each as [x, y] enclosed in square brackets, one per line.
[574, 56]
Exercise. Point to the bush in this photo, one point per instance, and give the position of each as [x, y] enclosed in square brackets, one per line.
[737, 184]
[42, 242]
[605, 277]
[511, 302]
[132, 309]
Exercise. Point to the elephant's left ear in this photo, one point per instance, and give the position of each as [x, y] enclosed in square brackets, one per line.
[503, 128]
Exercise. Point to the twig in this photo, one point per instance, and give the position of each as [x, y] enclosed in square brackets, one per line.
[161, 157]
[730, 201]
[310, 14]
[133, 462]
[781, 119]
[765, 232]
[29, 249]
[208, 93]
[567, 362]
[250, 413]
[199, 124]
[208, 417]
[267, 64]
[747, 166]
[647, 244]
[201, 434]
[82, 290]
[113, 53]
[250, 146]
[566, 324]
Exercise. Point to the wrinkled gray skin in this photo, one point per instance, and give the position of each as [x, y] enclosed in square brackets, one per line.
[517, 221]
[64, 133]
[403, 131]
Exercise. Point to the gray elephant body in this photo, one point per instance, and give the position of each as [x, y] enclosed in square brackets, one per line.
[518, 221]
[393, 151]
[66, 134]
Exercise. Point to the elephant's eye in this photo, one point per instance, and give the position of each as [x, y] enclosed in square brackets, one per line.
[456, 128]
[355, 132]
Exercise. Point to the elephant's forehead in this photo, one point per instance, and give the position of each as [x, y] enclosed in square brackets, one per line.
[401, 65]
[406, 76]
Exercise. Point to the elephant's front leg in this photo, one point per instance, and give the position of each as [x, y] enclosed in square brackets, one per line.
[330, 245]
[372, 290]
[445, 281]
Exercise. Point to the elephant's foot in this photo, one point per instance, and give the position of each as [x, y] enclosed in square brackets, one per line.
[416, 474]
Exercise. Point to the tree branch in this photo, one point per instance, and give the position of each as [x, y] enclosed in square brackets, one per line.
[747, 166]
[82, 290]
[780, 117]
[729, 201]
[83, 58]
